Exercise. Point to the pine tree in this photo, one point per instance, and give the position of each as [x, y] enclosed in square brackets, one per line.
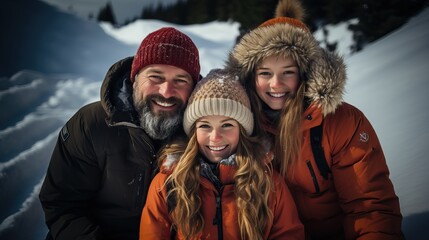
[106, 15]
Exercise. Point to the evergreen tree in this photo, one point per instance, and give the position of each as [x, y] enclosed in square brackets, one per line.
[378, 18]
[106, 15]
[249, 13]
[375, 18]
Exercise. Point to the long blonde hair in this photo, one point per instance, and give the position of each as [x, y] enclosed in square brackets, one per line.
[289, 138]
[253, 186]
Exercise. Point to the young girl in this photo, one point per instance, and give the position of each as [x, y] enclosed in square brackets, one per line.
[340, 182]
[221, 186]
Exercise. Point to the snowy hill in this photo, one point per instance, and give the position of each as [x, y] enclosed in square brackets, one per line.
[40, 37]
[52, 63]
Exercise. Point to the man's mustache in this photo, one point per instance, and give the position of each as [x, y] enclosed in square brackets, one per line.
[160, 98]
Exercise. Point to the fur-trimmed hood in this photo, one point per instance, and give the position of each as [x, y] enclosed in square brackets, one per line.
[323, 72]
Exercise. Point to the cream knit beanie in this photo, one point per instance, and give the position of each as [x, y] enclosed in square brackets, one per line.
[219, 93]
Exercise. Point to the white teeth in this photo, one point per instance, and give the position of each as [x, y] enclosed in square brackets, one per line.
[164, 104]
[217, 148]
[277, 95]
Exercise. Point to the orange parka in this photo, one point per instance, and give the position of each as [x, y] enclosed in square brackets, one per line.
[357, 200]
[155, 221]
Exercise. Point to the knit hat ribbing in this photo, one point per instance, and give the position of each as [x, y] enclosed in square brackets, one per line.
[167, 46]
[219, 93]
[285, 20]
[288, 12]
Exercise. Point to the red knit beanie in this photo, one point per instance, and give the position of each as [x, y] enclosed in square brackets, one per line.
[167, 46]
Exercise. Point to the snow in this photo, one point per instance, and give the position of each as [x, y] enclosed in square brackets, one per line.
[53, 63]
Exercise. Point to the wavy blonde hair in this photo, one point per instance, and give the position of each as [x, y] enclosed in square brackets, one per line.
[253, 186]
[289, 139]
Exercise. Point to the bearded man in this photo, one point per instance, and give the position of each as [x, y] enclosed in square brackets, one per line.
[104, 159]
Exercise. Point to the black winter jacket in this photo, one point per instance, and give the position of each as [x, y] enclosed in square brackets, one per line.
[101, 167]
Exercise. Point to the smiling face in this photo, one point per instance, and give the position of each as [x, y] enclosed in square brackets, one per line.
[160, 93]
[217, 137]
[164, 88]
[277, 78]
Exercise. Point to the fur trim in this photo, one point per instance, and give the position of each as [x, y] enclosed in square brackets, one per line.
[326, 82]
[169, 163]
[290, 8]
[171, 160]
[277, 39]
[323, 72]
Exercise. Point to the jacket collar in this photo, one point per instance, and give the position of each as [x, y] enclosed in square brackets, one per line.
[312, 117]
[219, 174]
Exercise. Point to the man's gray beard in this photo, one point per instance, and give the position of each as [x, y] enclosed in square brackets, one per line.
[160, 126]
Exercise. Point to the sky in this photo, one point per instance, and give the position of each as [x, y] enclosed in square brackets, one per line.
[52, 63]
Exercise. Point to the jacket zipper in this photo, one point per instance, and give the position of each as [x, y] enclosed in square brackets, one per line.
[139, 190]
[218, 218]
[313, 176]
[141, 182]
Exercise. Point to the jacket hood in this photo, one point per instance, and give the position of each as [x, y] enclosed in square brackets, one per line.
[117, 94]
[322, 72]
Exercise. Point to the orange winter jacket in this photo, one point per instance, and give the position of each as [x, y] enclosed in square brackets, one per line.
[357, 201]
[155, 221]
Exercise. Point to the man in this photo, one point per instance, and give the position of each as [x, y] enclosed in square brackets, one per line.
[104, 159]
